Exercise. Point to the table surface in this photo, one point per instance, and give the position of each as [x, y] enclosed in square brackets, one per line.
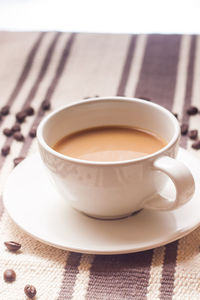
[62, 68]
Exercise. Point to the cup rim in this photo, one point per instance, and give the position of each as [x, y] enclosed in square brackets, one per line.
[42, 142]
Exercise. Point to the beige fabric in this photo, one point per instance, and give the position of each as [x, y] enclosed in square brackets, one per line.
[89, 72]
[180, 88]
[194, 122]
[155, 274]
[82, 278]
[36, 264]
[94, 66]
[136, 65]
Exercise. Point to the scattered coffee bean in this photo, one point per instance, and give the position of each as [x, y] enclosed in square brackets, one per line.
[12, 246]
[5, 150]
[175, 115]
[5, 110]
[17, 160]
[32, 132]
[20, 116]
[184, 129]
[192, 110]
[18, 136]
[30, 291]
[9, 275]
[196, 145]
[193, 134]
[29, 110]
[145, 98]
[85, 98]
[7, 131]
[15, 128]
[45, 105]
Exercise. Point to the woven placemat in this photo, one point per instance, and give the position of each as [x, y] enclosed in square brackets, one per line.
[60, 68]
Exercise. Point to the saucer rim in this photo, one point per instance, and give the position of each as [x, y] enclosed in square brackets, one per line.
[111, 252]
[177, 234]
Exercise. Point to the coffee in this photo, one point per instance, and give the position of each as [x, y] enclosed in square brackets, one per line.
[109, 143]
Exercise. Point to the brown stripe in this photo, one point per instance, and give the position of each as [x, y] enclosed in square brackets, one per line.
[35, 86]
[167, 281]
[50, 91]
[126, 67]
[120, 276]
[25, 71]
[158, 73]
[69, 276]
[43, 70]
[60, 68]
[188, 92]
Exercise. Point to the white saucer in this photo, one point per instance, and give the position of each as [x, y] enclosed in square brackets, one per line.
[35, 207]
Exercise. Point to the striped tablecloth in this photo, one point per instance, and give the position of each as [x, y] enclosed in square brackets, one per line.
[65, 67]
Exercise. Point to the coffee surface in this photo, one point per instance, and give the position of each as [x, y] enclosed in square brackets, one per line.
[111, 143]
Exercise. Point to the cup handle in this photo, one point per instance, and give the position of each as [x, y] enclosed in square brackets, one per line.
[182, 179]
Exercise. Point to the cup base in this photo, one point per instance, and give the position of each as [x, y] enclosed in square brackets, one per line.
[110, 218]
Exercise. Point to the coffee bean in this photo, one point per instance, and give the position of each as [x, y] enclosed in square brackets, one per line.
[18, 136]
[193, 134]
[145, 98]
[45, 105]
[5, 110]
[32, 132]
[5, 150]
[192, 110]
[196, 145]
[29, 110]
[85, 98]
[15, 128]
[21, 116]
[175, 115]
[12, 246]
[184, 129]
[9, 275]
[17, 160]
[7, 131]
[30, 291]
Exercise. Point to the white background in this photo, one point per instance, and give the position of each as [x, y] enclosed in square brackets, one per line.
[118, 16]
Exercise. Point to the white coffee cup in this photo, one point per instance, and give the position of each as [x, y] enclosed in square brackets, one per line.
[110, 190]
